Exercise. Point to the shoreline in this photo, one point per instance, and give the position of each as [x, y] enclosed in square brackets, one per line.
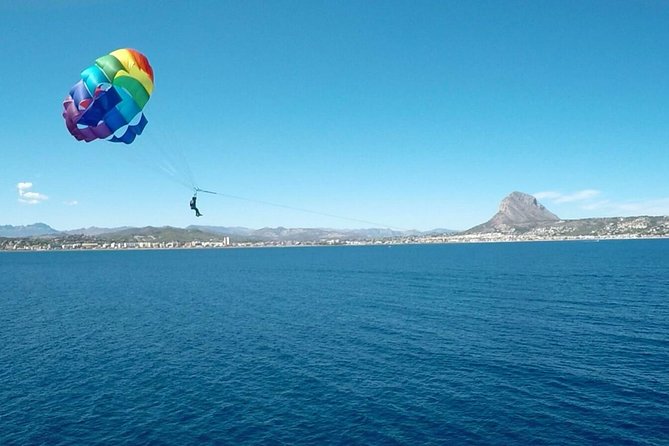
[454, 240]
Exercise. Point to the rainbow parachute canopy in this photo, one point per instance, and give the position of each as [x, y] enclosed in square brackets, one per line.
[107, 102]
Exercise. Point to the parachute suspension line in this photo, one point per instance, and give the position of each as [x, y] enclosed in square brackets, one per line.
[169, 169]
[184, 162]
[174, 159]
[293, 208]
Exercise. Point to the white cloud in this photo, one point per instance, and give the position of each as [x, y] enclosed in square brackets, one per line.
[71, 203]
[27, 196]
[559, 197]
[658, 206]
[590, 200]
[546, 195]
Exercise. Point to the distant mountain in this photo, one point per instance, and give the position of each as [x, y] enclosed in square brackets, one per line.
[197, 232]
[438, 231]
[517, 211]
[223, 230]
[305, 234]
[34, 230]
[309, 234]
[521, 215]
[93, 230]
[159, 234]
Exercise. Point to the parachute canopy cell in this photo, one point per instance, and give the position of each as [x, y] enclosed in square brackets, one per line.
[108, 101]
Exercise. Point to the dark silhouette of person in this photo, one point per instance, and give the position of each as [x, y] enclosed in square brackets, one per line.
[193, 206]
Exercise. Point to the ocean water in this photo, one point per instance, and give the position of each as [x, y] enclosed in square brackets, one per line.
[492, 344]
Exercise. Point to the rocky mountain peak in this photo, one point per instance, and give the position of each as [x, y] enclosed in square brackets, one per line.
[517, 210]
[35, 229]
[519, 207]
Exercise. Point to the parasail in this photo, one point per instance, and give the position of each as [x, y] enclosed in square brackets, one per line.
[108, 101]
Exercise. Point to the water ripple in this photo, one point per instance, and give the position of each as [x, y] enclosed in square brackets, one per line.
[541, 343]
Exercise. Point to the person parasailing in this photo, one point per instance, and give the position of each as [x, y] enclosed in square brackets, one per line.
[193, 205]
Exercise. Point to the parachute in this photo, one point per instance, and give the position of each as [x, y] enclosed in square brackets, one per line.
[108, 100]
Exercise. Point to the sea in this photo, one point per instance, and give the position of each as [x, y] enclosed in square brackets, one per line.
[540, 343]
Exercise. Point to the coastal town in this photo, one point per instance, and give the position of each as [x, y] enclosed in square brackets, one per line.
[85, 244]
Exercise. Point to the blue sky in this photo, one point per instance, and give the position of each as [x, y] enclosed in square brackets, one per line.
[414, 114]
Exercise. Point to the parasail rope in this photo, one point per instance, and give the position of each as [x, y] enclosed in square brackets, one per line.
[293, 208]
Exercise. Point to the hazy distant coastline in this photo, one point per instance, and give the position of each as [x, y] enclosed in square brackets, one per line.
[520, 218]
